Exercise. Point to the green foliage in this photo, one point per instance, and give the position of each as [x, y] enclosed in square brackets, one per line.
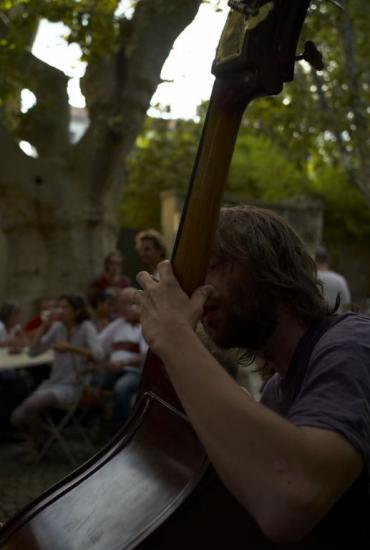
[17, 30]
[163, 159]
[91, 22]
[318, 121]
[276, 156]
[92, 25]
[260, 170]
[347, 215]
[296, 143]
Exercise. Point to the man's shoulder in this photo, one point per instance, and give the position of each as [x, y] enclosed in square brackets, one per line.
[347, 340]
[350, 322]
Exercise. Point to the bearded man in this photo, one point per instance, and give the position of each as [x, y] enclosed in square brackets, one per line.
[297, 461]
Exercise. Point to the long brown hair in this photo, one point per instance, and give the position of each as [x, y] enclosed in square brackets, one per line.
[79, 306]
[275, 255]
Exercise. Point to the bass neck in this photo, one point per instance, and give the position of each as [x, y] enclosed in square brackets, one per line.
[202, 205]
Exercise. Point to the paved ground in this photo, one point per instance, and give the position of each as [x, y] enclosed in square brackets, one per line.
[20, 483]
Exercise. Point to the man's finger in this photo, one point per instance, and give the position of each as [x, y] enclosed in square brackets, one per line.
[165, 270]
[146, 280]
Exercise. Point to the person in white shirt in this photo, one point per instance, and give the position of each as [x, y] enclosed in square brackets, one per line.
[125, 349]
[334, 285]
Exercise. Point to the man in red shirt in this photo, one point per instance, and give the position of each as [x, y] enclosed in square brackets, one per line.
[112, 277]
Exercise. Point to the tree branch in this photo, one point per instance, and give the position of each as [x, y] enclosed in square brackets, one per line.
[46, 125]
[360, 116]
[356, 160]
[120, 88]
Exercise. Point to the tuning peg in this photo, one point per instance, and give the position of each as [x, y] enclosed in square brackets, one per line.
[312, 55]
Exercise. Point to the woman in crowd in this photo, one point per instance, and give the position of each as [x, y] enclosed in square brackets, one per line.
[74, 340]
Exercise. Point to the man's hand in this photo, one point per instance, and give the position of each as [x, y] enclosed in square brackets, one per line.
[165, 307]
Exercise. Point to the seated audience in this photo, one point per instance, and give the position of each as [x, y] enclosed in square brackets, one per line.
[112, 278]
[151, 249]
[125, 348]
[75, 341]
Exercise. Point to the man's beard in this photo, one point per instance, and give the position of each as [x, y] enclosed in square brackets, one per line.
[249, 320]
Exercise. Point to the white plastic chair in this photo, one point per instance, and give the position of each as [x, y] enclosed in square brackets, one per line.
[57, 429]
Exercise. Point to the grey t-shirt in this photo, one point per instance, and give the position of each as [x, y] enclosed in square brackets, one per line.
[328, 386]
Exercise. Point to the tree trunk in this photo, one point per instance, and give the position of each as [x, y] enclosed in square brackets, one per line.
[58, 213]
[53, 243]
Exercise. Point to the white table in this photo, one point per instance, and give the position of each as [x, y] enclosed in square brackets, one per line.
[23, 360]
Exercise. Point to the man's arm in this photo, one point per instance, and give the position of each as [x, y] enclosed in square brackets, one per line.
[286, 477]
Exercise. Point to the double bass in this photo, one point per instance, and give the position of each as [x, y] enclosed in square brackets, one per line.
[152, 486]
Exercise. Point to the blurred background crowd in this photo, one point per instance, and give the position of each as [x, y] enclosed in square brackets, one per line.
[91, 350]
[91, 345]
